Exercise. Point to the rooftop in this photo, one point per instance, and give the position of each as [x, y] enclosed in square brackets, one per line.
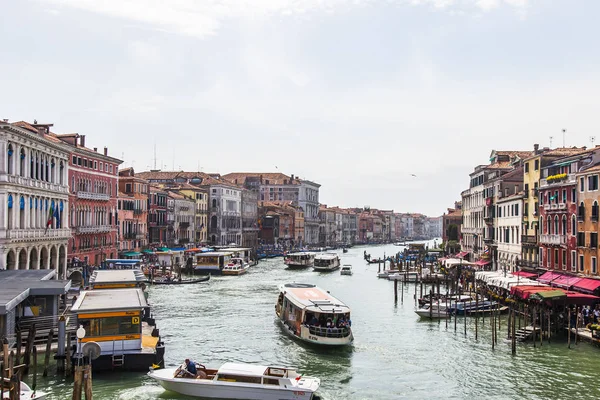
[16, 286]
[116, 276]
[311, 296]
[110, 300]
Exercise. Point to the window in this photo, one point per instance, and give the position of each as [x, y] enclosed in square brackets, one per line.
[573, 225]
[595, 211]
[111, 168]
[95, 164]
[111, 326]
[580, 239]
[581, 263]
[526, 167]
[573, 195]
[564, 259]
[581, 184]
[556, 260]
[564, 225]
[548, 259]
[101, 165]
[573, 260]
[516, 210]
[594, 240]
[592, 183]
[536, 165]
[581, 212]
[564, 196]
[74, 160]
[594, 266]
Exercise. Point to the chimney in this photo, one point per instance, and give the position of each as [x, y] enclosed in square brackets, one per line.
[292, 177]
[106, 151]
[96, 149]
[82, 140]
[536, 148]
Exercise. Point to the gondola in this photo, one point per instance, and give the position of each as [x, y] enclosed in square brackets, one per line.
[181, 282]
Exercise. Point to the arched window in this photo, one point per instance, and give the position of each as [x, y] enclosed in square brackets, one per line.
[9, 157]
[564, 225]
[556, 230]
[52, 171]
[10, 201]
[31, 165]
[61, 173]
[581, 212]
[573, 225]
[549, 225]
[22, 163]
[214, 203]
[595, 211]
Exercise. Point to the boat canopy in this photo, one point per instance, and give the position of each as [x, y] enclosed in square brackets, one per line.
[313, 298]
[242, 369]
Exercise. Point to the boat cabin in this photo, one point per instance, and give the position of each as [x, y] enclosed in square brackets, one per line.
[212, 262]
[117, 279]
[326, 260]
[257, 374]
[170, 258]
[122, 263]
[112, 318]
[239, 252]
[303, 258]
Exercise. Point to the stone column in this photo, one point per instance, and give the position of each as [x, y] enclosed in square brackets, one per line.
[4, 160]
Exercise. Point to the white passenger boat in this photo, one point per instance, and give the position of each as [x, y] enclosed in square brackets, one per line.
[239, 381]
[326, 262]
[25, 394]
[436, 310]
[346, 270]
[311, 314]
[300, 260]
[236, 266]
[211, 262]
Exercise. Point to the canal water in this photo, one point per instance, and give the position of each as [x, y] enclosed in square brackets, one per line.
[394, 355]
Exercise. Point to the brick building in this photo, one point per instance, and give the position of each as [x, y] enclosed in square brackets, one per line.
[157, 216]
[134, 227]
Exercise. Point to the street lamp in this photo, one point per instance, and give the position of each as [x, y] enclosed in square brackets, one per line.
[80, 335]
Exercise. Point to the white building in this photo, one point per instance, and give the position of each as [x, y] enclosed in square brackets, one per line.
[509, 212]
[184, 224]
[308, 199]
[33, 180]
[225, 214]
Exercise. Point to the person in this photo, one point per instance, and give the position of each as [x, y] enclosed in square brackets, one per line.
[190, 367]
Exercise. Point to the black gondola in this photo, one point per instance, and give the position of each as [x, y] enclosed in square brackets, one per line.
[180, 282]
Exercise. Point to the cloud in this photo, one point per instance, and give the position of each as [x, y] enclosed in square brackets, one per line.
[202, 18]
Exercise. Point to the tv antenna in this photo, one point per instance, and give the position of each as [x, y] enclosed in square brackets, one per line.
[592, 139]
[551, 137]
[154, 155]
[564, 133]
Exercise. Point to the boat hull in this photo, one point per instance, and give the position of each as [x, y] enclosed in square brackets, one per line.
[434, 314]
[210, 389]
[326, 269]
[297, 266]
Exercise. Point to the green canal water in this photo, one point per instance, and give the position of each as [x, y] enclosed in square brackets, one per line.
[394, 355]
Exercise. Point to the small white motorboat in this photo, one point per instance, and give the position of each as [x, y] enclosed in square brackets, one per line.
[436, 310]
[326, 262]
[346, 270]
[411, 276]
[236, 266]
[239, 381]
[26, 392]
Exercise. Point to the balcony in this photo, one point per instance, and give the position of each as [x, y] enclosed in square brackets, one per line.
[553, 240]
[529, 240]
[184, 225]
[92, 196]
[140, 236]
[33, 234]
[528, 264]
[137, 211]
[129, 235]
[34, 183]
[567, 180]
[93, 229]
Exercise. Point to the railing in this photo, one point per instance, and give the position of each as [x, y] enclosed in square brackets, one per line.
[567, 180]
[35, 183]
[137, 211]
[92, 196]
[129, 235]
[553, 239]
[94, 229]
[140, 236]
[38, 233]
[528, 239]
[528, 264]
[329, 332]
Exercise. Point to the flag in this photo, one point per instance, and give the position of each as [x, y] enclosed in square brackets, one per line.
[57, 216]
[50, 216]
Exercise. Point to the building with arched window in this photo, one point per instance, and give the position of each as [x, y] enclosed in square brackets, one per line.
[34, 200]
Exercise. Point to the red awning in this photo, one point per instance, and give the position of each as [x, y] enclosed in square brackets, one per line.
[524, 291]
[565, 281]
[482, 263]
[587, 285]
[462, 254]
[581, 299]
[548, 277]
[525, 274]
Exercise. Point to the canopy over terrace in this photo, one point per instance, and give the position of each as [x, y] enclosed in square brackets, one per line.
[451, 262]
[504, 281]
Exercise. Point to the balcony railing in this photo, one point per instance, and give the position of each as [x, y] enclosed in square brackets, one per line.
[553, 239]
[140, 236]
[92, 196]
[569, 179]
[528, 264]
[38, 233]
[137, 211]
[94, 229]
[529, 239]
[35, 183]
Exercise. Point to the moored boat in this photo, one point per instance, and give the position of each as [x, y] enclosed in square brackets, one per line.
[309, 313]
[239, 381]
[168, 281]
[236, 266]
[435, 310]
[326, 262]
[406, 276]
[300, 260]
[25, 393]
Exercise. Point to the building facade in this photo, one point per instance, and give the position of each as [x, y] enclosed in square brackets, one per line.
[93, 184]
[34, 198]
[250, 219]
[587, 222]
[509, 212]
[135, 188]
[157, 216]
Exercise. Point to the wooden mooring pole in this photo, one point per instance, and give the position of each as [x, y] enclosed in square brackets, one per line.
[34, 368]
[47, 354]
[476, 314]
[395, 291]
[569, 330]
[87, 381]
[77, 382]
[513, 334]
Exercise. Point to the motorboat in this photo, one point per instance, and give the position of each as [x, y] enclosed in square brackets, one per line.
[346, 270]
[436, 310]
[26, 393]
[406, 276]
[300, 260]
[385, 274]
[239, 381]
[326, 262]
[236, 266]
[169, 281]
[311, 314]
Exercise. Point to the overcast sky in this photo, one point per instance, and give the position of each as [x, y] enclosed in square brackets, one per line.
[356, 95]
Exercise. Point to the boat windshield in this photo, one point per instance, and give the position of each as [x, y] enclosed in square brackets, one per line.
[335, 325]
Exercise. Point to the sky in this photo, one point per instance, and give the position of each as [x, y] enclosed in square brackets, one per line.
[357, 95]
